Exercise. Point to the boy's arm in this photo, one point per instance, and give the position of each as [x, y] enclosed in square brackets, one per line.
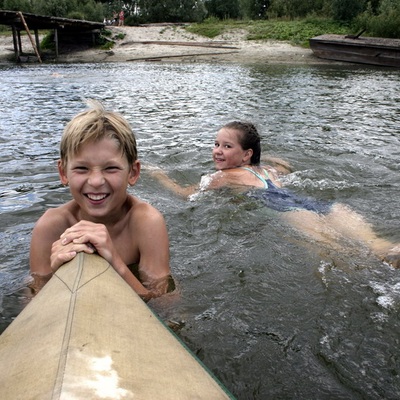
[153, 245]
[46, 231]
[151, 236]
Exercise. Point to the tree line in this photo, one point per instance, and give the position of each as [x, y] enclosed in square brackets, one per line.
[368, 13]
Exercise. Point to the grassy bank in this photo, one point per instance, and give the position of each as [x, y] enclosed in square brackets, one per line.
[296, 32]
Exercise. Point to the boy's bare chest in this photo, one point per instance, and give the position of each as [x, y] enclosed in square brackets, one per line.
[127, 246]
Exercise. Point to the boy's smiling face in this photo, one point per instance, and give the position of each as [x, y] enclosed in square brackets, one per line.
[98, 176]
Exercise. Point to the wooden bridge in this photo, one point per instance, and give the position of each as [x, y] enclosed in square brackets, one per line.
[67, 29]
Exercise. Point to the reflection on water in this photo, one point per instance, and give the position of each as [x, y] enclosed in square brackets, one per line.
[272, 314]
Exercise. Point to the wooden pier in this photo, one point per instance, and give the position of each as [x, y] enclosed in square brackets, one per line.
[65, 30]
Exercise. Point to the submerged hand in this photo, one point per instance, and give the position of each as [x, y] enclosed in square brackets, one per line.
[393, 257]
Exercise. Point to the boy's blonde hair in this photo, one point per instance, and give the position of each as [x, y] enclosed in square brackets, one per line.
[97, 123]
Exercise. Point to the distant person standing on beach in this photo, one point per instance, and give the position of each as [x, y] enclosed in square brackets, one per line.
[121, 18]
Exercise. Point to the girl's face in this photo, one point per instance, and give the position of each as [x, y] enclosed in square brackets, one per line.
[98, 176]
[227, 151]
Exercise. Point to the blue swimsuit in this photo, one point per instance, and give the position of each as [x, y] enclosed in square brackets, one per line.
[282, 200]
[260, 177]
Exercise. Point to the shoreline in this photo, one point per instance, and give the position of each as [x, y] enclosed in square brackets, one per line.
[172, 43]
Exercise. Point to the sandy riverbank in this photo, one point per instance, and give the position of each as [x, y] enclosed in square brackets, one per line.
[175, 44]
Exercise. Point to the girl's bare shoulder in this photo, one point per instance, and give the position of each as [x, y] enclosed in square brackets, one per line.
[216, 180]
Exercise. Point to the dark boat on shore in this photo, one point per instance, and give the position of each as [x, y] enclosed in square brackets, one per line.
[357, 49]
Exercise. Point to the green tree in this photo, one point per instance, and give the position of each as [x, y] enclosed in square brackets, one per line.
[17, 5]
[79, 9]
[254, 9]
[223, 9]
[384, 23]
[54, 8]
[346, 10]
[295, 8]
[374, 4]
[92, 11]
[168, 11]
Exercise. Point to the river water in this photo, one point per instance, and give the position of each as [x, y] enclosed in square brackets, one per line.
[272, 314]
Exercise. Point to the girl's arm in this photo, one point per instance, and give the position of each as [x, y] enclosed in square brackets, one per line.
[281, 166]
[170, 184]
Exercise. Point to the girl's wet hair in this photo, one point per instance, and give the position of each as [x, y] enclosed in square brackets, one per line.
[249, 138]
[94, 124]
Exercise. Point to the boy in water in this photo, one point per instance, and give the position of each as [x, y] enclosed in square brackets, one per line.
[98, 161]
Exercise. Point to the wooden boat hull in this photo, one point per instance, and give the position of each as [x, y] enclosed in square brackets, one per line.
[88, 335]
[362, 50]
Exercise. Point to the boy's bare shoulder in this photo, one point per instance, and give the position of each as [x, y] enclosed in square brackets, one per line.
[57, 218]
[140, 209]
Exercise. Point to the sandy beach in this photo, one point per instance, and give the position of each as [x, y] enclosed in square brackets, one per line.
[171, 43]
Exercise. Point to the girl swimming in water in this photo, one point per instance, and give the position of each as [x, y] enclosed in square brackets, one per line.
[237, 159]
